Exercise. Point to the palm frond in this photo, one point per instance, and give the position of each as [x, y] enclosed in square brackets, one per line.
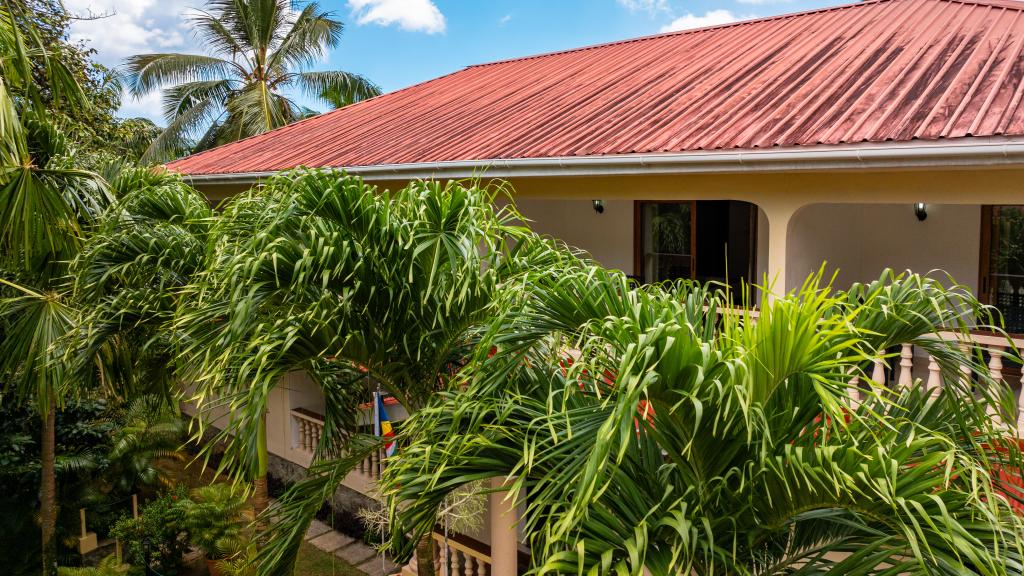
[148, 72]
[336, 88]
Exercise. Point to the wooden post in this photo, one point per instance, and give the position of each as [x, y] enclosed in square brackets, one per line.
[87, 542]
[135, 506]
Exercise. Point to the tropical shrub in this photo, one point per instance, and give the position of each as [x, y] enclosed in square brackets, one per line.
[146, 435]
[212, 515]
[158, 538]
[644, 432]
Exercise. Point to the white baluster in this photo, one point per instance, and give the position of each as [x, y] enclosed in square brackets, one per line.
[878, 374]
[468, 565]
[995, 369]
[934, 376]
[965, 370]
[453, 557]
[854, 391]
[995, 363]
[443, 556]
[305, 435]
[906, 366]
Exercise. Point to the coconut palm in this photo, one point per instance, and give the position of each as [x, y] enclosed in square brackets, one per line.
[256, 49]
[647, 433]
[321, 273]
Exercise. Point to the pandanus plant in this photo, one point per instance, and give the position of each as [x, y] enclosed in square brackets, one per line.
[643, 431]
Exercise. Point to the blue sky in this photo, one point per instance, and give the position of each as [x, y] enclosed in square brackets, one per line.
[397, 43]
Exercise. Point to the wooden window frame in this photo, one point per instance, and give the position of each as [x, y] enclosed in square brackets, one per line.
[638, 248]
[638, 256]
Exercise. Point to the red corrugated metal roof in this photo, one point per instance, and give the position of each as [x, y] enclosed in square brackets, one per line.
[880, 70]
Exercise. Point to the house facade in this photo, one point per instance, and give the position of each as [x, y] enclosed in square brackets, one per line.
[882, 134]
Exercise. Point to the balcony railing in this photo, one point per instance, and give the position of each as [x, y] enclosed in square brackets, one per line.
[458, 559]
[911, 368]
[308, 428]
[454, 558]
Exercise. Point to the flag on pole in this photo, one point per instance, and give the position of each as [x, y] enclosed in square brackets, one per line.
[381, 424]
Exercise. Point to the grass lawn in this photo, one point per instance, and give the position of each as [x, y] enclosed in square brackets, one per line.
[313, 562]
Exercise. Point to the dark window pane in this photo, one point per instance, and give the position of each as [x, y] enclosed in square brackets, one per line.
[1007, 264]
[665, 241]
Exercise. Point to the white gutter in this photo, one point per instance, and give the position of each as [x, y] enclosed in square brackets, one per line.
[904, 155]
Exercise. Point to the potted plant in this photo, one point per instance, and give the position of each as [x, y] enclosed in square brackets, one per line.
[213, 518]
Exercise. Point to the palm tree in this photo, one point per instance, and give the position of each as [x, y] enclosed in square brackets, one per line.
[130, 276]
[649, 434]
[321, 273]
[256, 50]
[45, 205]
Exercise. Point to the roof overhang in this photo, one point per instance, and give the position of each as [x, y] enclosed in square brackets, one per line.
[961, 153]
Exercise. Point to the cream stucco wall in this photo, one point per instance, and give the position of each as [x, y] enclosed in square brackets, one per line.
[608, 237]
[858, 241]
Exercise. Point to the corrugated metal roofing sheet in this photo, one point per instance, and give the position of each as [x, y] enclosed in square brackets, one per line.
[880, 70]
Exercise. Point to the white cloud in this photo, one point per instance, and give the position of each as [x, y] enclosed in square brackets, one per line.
[131, 27]
[710, 18]
[652, 7]
[763, 2]
[414, 15]
[504, 19]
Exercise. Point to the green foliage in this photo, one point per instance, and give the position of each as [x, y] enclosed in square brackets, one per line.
[322, 273]
[130, 274]
[97, 134]
[213, 518]
[158, 538]
[83, 435]
[144, 442]
[255, 49]
[646, 433]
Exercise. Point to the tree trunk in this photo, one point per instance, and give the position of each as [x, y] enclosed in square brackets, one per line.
[425, 556]
[260, 496]
[48, 492]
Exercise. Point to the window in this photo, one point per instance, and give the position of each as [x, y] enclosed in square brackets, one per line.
[1002, 263]
[705, 240]
[666, 240]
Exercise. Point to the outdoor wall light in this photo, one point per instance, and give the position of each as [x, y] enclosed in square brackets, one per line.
[599, 206]
[921, 211]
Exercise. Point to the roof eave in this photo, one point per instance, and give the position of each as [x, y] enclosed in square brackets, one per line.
[902, 155]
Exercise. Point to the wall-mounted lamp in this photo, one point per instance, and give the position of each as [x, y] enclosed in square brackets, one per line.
[921, 211]
[599, 206]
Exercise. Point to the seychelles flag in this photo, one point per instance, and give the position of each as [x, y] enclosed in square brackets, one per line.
[381, 424]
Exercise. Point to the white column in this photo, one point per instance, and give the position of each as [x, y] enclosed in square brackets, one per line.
[504, 536]
[778, 234]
